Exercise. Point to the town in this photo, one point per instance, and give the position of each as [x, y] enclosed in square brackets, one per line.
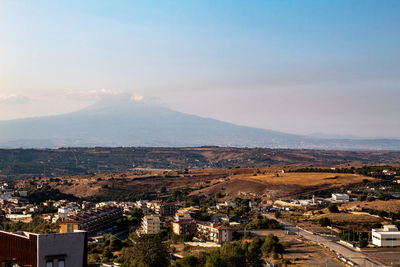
[354, 224]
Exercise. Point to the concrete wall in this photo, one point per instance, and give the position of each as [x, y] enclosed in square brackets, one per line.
[69, 246]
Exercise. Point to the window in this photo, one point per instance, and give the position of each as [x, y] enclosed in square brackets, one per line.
[69, 228]
[49, 263]
[61, 263]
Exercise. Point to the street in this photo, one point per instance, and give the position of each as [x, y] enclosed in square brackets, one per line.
[354, 256]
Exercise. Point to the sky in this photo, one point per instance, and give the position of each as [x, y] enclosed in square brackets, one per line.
[300, 66]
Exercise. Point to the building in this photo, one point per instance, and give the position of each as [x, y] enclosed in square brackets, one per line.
[163, 208]
[216, 233]
[182, 216]
[184, 227]
[388, 236]
[340, 197]
[95, 221]
[37, 250]
[151, 225]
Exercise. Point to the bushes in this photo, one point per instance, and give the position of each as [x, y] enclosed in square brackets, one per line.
[324, 222]
[272, 247]
[263, 223]
[333, 208]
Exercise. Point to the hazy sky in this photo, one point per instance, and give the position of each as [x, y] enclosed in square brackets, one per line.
[293, 66]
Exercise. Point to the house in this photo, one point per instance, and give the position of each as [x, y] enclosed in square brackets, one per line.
[93, 221]
[151, 224]
[36, 250]
[226, 204]
[219, 218]
[388, 236]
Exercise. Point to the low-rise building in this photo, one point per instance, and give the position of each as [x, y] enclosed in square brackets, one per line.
[151, 225]
[93, 221]
[336, 197]
[37, 250]
[388, 236]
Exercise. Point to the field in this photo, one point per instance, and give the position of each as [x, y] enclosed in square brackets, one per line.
[226, 183]
[388, 206]
[341, 218]
[270, 186]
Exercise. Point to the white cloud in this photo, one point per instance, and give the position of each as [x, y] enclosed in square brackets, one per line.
[13, 99]
[137, 97]
[94, 94]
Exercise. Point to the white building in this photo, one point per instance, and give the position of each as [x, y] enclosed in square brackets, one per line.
[340, 197]
[389, 236]
[151, 224]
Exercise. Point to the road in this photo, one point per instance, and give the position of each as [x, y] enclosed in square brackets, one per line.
[355, 256]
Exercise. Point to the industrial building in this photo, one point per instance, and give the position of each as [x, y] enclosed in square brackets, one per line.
[388, 236]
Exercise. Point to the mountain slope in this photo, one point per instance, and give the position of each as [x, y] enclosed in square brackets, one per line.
[121, 122]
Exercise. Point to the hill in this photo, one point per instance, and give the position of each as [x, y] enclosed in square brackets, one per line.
[118, 122]
[25, 163]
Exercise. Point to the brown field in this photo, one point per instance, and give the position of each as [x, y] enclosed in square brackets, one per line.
[350, 218]
[270, 186]
[388, 206]
[231, 183]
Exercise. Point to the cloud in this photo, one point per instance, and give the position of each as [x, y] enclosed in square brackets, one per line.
[136, 97]
[94, 94]
[13, 99]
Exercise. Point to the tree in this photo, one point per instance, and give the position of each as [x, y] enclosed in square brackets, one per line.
[272, 247]
[333, 208]
[324, 221]
[187, 261]
[148, 251]
[214, 259]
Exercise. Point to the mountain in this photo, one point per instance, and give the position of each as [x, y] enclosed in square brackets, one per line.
[121, 122]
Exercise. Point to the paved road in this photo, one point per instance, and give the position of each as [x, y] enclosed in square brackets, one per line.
[355, 256]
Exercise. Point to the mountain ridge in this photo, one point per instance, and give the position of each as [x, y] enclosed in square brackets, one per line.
[122, 122]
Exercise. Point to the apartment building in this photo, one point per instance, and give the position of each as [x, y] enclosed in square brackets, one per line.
[163, 208]
[213, 232]
[43, 250]
[151, 224]
[184, 227]
[388, 236]
[94, 221]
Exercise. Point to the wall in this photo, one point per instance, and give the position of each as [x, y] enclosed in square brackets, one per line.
[71, 246]
[21, 248]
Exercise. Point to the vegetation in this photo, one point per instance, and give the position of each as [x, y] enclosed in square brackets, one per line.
[263, 223]
[37, 225]
[147, 251]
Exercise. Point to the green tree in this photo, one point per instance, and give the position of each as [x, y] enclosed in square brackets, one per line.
[324, 221]
[187, 261]
[147, 251]
[272, 247]
[333, 208]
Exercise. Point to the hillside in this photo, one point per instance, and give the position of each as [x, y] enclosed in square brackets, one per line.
[225, 183]
[120, 122]
[25, 163]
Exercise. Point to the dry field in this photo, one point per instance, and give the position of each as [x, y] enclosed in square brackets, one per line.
[231, 183]
[388, 206]
[308, 179]
[349, 218]
[269, 186]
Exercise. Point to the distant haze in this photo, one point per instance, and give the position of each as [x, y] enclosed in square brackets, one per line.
[301, 67]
